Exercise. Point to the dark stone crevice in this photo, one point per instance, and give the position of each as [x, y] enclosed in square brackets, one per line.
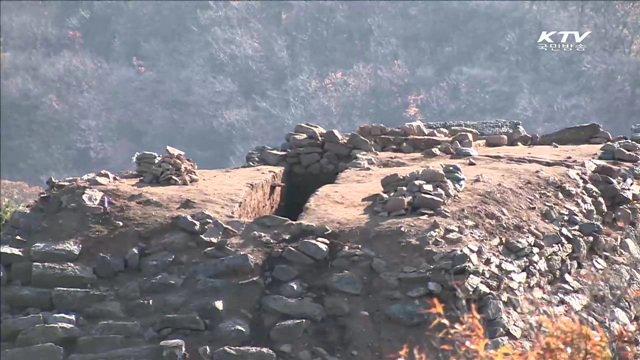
[298, 189]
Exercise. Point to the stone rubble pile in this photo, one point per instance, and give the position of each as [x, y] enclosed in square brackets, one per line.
[411, 137]
[310, 149]
[145, 162]
[75, 194]
[424, 191]
[418, 136]
[173, 168]
[58, 312]
[624, 150]
[483, 128]
[615, 195]
[103, 177]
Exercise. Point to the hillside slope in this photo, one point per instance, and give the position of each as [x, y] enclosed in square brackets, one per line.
[519, 231]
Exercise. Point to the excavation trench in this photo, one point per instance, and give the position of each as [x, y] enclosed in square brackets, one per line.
[283, 193]
[297, 190]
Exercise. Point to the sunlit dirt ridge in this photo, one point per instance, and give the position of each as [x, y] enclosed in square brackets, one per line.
[461, 240]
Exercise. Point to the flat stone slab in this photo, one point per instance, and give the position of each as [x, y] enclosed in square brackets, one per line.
[103, 343]
[48, 275]
[298, 308]
[152, 352]
[244, 353]
[19, 297]
[228, 266]
[346, 282]
[181, 321]
[71, 299]
[42, 351]
[59, 334]
[129, 329]
[10, 255]
[10, 328]
[67, 251]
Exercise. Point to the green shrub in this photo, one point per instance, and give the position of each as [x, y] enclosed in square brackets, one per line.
[6, 210]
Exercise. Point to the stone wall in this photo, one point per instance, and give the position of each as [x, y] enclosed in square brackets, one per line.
[485, 128]
[310, 149]
[314, 150]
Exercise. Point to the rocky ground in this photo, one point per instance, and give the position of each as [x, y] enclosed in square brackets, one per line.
[107, 267]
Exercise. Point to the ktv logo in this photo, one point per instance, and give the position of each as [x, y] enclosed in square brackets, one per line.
[546, 40]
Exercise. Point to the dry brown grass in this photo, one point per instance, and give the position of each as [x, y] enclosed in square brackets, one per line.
[554, 338]
[18, 192]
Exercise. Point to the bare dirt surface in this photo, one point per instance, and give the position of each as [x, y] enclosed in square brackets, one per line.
[500, 179]
[223, 193]
[137, 211]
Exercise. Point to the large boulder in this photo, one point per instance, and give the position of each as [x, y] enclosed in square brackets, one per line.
[46, 351]
[429, 202]
[346, 282]
[70, 299]
[496, 140]
[300, 308]
[311, 130]
[624, 155]
[10, 255]
[10, 328]
[273, 157]
[103, 343]
[108, 266]
[359, 142]
[244, 353]
[313, 248]
[129, 329]
[154, 264]
[424, 142]
[289, 330]
[61, 275]
[574, 135]
[151, 352]
[233, 332]
[181, 321]
[333, 136]
[59, 334]
[106, 310]
[26, 297]
[228, 266]
[415, 128]
[338, 148]
[67, 251]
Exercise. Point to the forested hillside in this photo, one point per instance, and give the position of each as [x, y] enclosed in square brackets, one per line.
[87, 84]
